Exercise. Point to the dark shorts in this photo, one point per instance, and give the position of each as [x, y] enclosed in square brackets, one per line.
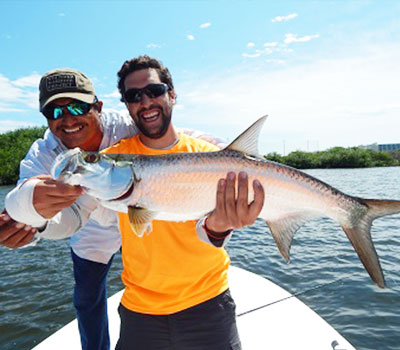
[208, 326]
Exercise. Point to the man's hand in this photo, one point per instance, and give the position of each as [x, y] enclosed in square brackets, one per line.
[14, 234]
[233, 212]
[51, 196]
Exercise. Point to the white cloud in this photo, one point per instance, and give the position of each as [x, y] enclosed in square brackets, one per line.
[28, 81]
[8, 92]
[5, 109]
[15, 95]
[114, 94]
[249, 55]
[272, 44]
[284, 18]
[269, 48]
[275, 61]
[9, 125]
[61, 14]
[153, 46]
[292, 38]
[190, 37]
[337, 102]
[205, 25]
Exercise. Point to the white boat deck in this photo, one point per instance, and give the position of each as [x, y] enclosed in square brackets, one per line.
[286, 325]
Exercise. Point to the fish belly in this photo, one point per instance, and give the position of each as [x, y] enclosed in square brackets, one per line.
[186, 189]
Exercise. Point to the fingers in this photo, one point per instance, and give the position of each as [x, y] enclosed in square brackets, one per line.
[4, 217]
[230, 197]
[24, 240]
[50, 197]
[242, 207]
[257, 204]
[53, 188]
[233, 209]
[14, 234]
[220, 205]
[19, 238]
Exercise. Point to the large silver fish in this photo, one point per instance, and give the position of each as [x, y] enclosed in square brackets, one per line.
[179, 187]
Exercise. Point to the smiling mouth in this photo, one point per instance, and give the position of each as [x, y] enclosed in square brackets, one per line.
[72, 130]
[150, 116]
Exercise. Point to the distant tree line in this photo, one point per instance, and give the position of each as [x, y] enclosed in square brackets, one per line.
[338, 157]
[15, 144]
[13, 147]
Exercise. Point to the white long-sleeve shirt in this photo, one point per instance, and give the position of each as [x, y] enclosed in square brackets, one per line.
[93, 229]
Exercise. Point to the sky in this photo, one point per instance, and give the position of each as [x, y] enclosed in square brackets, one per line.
[327, 73]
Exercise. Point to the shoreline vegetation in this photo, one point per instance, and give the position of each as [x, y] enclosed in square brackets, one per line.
[15, 144]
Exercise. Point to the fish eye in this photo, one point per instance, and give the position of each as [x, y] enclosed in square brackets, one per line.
[92, 158]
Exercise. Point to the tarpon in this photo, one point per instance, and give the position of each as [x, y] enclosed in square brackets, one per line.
[180, 187]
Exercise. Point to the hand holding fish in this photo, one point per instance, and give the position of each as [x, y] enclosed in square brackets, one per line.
[51, 196]
[14, 234]
[234, 212]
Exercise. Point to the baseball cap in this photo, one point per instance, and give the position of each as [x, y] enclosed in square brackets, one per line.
[65, 83]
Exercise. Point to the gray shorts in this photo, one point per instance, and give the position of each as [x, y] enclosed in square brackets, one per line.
[210, 325]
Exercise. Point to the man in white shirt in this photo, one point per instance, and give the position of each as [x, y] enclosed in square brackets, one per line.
[68, 101]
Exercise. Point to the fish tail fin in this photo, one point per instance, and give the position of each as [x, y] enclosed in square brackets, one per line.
[359, 235]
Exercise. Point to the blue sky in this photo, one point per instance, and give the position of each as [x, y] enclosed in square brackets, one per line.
[326, 72]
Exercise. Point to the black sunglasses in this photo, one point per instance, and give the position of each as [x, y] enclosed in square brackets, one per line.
[74, 108]
[151, 90]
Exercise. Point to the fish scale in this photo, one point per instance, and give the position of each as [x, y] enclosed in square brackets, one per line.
[180, 187]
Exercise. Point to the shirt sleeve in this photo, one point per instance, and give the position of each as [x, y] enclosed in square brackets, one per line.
[203, 236]
[217, 141]
[19, 201]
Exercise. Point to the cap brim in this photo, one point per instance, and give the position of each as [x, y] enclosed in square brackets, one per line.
[88, 98]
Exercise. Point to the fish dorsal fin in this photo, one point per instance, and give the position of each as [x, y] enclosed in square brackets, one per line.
[247, 141]
[140, 220]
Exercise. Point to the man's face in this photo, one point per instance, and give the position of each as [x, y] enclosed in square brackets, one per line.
[84, 131]
[151, 115]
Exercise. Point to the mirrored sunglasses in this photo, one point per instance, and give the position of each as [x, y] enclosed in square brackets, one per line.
[74, 108]
[151, 90]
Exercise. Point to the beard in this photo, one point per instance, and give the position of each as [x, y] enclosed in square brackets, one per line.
[160, 131]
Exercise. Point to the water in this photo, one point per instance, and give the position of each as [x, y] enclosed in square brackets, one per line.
[36, 283]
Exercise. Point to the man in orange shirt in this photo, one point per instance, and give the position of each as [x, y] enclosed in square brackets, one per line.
[176, 294]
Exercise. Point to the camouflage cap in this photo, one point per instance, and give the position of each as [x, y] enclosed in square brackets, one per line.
[65, 83]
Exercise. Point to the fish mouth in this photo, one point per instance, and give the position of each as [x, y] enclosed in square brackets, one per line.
[126, 194]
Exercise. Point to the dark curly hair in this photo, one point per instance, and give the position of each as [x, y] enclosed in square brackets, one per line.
[143, 62]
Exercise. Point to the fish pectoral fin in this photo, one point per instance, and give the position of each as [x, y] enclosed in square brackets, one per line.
[247, 142]
[140, 220]
[283, 231]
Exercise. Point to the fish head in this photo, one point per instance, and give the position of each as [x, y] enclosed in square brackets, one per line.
[106, 177]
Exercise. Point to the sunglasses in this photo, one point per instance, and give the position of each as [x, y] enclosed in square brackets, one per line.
[151, 90]
[74, 108]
